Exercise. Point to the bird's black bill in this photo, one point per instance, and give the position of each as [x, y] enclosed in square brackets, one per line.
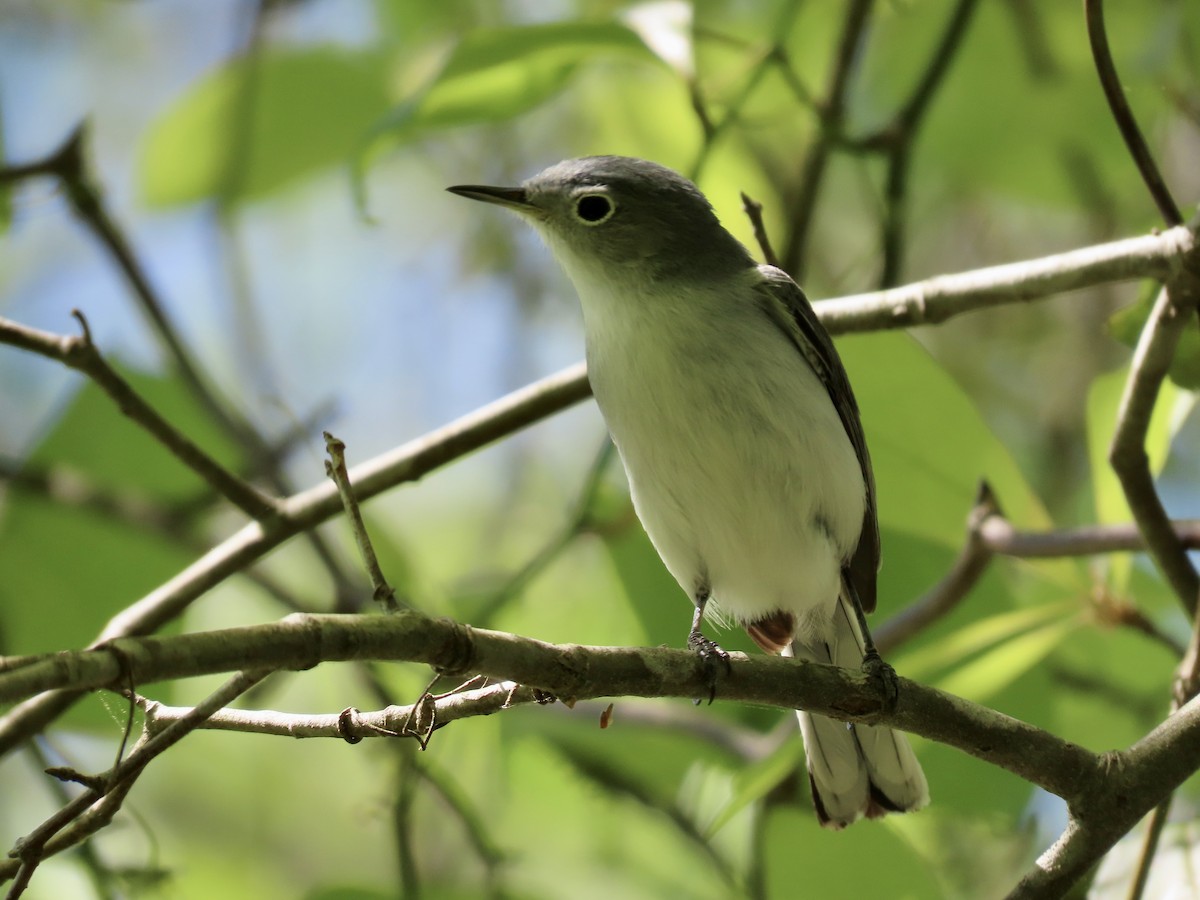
[513, 198]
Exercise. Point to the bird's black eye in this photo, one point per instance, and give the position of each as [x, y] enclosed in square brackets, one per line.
[593, 209]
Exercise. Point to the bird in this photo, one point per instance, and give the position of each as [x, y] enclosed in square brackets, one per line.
[740, 436]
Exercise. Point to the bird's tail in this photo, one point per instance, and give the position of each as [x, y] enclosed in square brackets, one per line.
[855, 770]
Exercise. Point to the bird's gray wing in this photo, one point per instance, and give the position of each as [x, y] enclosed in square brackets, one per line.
[785, 303]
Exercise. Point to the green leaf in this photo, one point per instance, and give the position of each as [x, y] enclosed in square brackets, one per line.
[929, 445]
[802, 859]
[991, 672]
[757, 780]
[968, 641]
[68, 569]
[301, 111]
[1126, 325]
[496, 74]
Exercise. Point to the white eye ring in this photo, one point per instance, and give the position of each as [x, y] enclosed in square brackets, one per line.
[593, 209]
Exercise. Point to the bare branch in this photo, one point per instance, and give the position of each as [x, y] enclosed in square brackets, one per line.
[934, 300]
[68, 164]
[574, 672]
[832, 110]
[1172, 312]
[1147, 773]
[95, 807]
[942, 297]
[335, 468]
[968, 568]
[1123, 115]
[904, 128]
[80, 353]
[1001, 537]
[391, 722]
[303, 511]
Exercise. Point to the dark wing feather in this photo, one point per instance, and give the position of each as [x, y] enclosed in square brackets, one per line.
[785, 303]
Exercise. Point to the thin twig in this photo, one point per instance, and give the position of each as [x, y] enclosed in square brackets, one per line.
[775, 55]
[939, 298]
[753, 210]
[307, 509]
[389, 722]
[904, 128]
[335, 468]
[474, 823]
[81, 353]
[68, 165]
[1175, 307]
[832, 110]
[1123, 115]
[87, 813]
[1154, 827]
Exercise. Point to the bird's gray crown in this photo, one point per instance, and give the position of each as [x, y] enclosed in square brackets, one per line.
[631, 212]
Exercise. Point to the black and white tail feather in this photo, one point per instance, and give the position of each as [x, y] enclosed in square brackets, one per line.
[854, 770]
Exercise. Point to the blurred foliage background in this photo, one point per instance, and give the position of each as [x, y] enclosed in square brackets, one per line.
[278, 171]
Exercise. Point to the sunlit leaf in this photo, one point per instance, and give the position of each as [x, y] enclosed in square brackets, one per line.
[969, 641]
[991, 672]
[259, 123]
[496, 74]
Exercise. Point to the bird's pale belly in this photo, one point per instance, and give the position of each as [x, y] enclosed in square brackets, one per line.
[745, 483]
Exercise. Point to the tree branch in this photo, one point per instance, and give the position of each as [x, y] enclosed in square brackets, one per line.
[1123, 115]
[831, 116]
[942, 297]
[80, 353]
[408, 462]
[1175, 307]
[936, 299]
[1134, 782]
[95, 807]
[573, 672]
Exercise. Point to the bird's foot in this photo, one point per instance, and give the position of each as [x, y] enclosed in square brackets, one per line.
[884, 677]
[714, 660]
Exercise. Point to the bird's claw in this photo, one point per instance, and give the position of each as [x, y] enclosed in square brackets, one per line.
[884, 677]
[714, 659]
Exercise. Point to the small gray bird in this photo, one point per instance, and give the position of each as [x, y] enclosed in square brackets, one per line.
[740, 435]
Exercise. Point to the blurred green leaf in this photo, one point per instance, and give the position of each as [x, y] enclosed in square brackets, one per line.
[82, 564]
[1126, 326]
[804, 860]
[929, 445]
[496, 74]
[968, 641]
[259, 123]
[981, 678]
[757, 780]
[349, 892]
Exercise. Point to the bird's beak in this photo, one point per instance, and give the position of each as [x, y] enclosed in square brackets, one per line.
[514, 198]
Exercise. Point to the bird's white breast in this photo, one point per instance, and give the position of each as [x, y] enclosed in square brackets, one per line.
[739, 466]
